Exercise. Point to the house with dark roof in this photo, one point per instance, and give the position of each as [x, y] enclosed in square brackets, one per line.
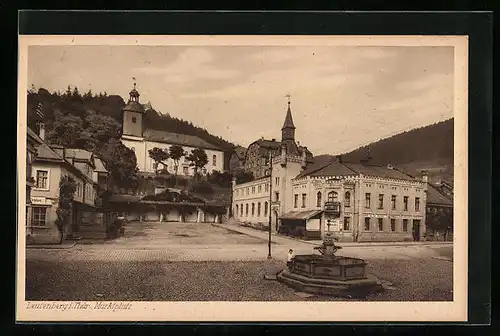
[258, 152]
[439, 213]
[49, 166]
[357, 202]
[140, 139]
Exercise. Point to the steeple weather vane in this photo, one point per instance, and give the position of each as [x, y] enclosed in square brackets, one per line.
[288, 96]
[133, 78]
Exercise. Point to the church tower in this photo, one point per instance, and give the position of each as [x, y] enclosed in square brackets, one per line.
[288, 132]
[133, 115]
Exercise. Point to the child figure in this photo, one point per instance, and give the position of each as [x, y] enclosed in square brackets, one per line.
[289, 258]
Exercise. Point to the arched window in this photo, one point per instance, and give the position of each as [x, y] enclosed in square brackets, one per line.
[214, 160]
[265, 209]
[332, 196]
[241, 210]
[246, 209]
[347, 199]
[236, 212]
[253, 209]
[258, 210]
[318, 199]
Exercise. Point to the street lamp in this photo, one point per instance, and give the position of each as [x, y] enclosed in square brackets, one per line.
[270, 200]
[328, 223]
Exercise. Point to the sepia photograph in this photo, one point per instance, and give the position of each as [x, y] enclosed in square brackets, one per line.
[216, 171]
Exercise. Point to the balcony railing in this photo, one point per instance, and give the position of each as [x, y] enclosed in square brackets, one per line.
[332, 207]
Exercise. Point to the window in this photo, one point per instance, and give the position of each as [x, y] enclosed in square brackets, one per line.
[236, 210]
[253, 190]
[367, 223]
[253, 209]
[38, 216]
[258, 209]
[304, 200]
[185, 170]
[367, 200]
[346, 223]
[295, 200]
[332, 196]
[380, 224]
[277, 196]
[246, 209]
[405, 203]
[134, 120]
[277, 181]
[347, 199]
[267, 187]
[405, 225]
[214, 160]
[381, 201]
[393, 202]
[417, 203]
[393, 224]
[318, 199]
[265, 209]
[204, 171]
[241, 210]
[259, 189]
[42, 177]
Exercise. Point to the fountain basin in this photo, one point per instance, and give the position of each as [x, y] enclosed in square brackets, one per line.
[330, 275]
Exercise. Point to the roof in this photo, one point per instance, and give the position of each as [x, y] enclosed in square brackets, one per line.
[177, 139]
[124, 198]
[435, 197]
[44, 152]
[301, 215]
[99, 166]
[134, 106]
[336, 168]
[288, 119]
[33, 136]
[77, 153]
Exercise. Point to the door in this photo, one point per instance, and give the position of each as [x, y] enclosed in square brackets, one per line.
[416, 230]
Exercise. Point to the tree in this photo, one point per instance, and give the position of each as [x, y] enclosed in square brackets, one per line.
[159, 156]
[176, 152]
[198, 159]
[243, 176]
[121, 163]
[67, 188]
[65, 129]
[98, 130]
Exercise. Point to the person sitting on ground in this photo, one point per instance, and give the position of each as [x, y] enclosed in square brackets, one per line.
[289, 260]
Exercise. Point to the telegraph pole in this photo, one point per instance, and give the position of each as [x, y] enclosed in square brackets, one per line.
[270, 200]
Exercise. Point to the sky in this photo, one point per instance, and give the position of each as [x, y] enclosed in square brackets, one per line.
[342, 97]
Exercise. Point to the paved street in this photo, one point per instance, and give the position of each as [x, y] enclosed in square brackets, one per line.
[172, 261]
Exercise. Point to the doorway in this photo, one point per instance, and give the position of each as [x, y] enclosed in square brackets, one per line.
[275, 221]
[416, 230]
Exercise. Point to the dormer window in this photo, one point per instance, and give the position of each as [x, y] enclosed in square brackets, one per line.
[134, 120]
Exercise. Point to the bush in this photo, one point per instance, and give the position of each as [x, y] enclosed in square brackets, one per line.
[202, 187]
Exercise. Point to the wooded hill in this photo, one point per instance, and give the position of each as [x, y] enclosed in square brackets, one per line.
[429, 148]
[74, 103]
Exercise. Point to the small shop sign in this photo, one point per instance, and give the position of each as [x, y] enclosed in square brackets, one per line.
[38, 200]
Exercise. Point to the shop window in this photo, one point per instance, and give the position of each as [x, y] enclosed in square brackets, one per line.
[39, 216]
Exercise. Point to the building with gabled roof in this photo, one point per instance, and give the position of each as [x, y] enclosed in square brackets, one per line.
[140, 139]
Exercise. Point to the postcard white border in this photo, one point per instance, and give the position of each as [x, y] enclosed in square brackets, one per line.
[265, 311]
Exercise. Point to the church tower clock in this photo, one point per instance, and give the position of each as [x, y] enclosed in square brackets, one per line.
[133, 115]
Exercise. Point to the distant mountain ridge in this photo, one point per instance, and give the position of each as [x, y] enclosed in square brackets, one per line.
[425, 148]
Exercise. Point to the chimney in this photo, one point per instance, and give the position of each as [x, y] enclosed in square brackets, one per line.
[339, 158]
[41, 130]
[425, 176]
[389, 166]
[304, 159]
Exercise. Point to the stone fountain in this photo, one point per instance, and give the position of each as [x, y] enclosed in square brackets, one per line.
[328, 274]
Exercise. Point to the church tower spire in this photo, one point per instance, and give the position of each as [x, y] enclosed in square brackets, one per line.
[288, 129]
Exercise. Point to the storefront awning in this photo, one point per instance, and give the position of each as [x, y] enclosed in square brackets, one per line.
[300, 215]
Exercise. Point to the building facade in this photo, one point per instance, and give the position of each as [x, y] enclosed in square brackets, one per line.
[140, 139]
[439, 214]
[356, 201]
[237, 160]
[33, 141]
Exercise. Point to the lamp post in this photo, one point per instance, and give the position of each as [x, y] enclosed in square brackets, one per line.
[270, 201]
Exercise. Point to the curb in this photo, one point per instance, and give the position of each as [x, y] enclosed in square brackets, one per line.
[234, 230]
[52, 247]
[443, 258]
